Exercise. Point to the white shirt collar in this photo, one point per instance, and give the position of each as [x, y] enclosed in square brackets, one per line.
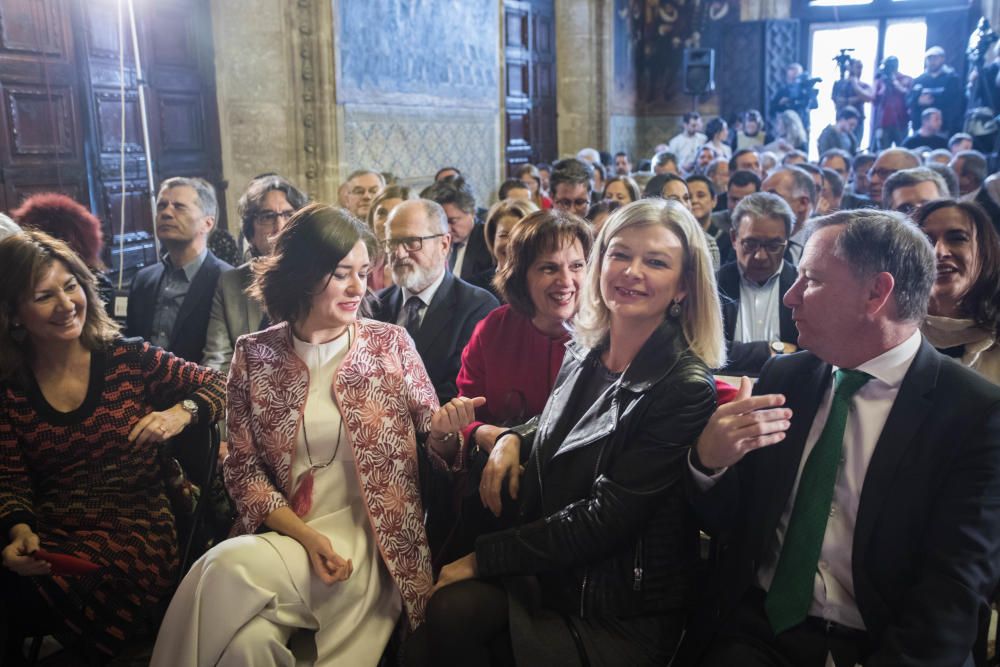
[891, 366]
[428, 294]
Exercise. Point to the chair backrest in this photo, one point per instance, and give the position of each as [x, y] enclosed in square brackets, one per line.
[197, 450]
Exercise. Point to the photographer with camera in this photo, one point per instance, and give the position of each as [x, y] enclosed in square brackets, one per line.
[891, 115]
[797, 94]
[940, 87]
[851, 91]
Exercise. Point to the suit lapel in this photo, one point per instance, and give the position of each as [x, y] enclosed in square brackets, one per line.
[204, 281]
[785, 457]
[252, 312]
[390, 302]
[729, 291]
[438, 313]
[912, 405]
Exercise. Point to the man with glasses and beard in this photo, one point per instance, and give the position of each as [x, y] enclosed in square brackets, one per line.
[438, 309]
[756, 323]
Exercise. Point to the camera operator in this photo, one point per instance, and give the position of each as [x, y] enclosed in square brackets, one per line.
[939, 86]
[851, 91]
[891, 115]
[797, 94]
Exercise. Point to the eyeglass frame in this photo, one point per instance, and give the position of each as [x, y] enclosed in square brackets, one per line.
[777, 251]
[390, 245]
[270, 218]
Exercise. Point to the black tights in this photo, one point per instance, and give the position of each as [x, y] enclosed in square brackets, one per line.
[466, 624]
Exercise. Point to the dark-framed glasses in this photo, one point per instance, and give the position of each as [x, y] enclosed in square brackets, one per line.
[410, 243]
[772, 247]
[572, 203]
[270, 218]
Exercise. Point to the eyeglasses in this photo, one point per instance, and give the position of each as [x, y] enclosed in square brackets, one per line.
[270, 218]
[909, 208]
[572, 203]
[773, 247]
[410, 243]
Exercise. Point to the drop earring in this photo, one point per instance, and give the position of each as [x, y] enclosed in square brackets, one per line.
[674, 312]
[18, 332]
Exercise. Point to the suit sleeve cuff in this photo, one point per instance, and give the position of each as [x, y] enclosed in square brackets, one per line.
[704, 478]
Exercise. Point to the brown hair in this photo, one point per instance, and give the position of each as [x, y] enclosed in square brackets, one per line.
[26, 257]
[507, 207]
[306, 252]
[539, 233]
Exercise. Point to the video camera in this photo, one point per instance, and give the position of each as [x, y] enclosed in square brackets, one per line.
[844, 62]
[808, 95]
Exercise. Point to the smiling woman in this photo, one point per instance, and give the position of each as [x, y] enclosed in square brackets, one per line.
[80, 472]
[605, 557]
[329, 415]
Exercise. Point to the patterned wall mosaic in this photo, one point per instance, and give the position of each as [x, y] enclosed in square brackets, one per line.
[399, 49]
[414, 143]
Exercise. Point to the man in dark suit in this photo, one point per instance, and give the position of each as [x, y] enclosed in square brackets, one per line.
[469, 256]
[170, 301]
[757, 324]
[438, 309]
[856, 498]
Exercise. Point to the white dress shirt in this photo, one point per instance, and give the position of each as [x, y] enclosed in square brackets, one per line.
[686, 146]
[757, 318]
[833, 587]
[425, 297]
[459, 257]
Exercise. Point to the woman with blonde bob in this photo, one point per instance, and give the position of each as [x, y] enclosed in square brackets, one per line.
[599, 566]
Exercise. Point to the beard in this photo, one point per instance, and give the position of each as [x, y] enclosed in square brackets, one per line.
[413, 277]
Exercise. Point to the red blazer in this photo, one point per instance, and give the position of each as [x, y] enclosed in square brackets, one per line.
[385, 399]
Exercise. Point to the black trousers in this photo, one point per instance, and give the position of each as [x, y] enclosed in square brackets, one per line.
[746, 639]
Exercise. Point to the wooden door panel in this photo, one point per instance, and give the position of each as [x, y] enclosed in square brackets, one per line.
[35, 28]
[529, 56]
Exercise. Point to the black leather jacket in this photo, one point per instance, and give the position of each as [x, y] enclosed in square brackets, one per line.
[603, 520]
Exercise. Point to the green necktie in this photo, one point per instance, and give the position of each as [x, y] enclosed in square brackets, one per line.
[791, 591]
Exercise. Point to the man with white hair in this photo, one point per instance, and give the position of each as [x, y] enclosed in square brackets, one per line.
[438, 309]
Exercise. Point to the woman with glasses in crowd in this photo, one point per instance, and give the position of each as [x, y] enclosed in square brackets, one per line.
[83, 414]
[963, 316]
[599, 566]
[329, 415]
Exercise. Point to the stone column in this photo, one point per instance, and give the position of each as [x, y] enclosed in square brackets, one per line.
[583, 59]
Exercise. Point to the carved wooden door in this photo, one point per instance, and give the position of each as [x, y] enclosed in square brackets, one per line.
[61, 124]
[529, 82]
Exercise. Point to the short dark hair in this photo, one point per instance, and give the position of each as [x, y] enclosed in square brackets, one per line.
[836, 152]
[654, 186]
[876, 241]
[861, 159]
[928, 112]
[451, 191]
[621, 154]
[535, 235]
[973, 164]
[598, 167]
[691, 115]
[437, 174]
[306, 252]
[847, 113]
[502, 209]
[249, 205]
[702, 179]
[508, 185]
[982, 301]
[663, 158]
[736, 154]
[572, 172]
[835, 181]
[714, 126]
[744, 177]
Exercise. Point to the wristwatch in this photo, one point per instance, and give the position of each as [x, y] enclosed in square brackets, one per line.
[191, 408]
[777, 347]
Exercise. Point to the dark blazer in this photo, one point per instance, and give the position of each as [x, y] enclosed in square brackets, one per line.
[187, 340]
[602, 514]
[926, 550]
[477, 256]
[448, 323]
[233, 314]
[750, 357]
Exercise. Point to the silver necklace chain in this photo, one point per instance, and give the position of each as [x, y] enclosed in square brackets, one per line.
[340, 430]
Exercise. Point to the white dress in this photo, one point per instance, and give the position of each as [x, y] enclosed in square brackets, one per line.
[243, 601]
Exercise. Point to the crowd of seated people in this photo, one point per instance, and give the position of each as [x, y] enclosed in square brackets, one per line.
[464, 436]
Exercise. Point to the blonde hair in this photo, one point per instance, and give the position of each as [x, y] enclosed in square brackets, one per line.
[701, 314]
